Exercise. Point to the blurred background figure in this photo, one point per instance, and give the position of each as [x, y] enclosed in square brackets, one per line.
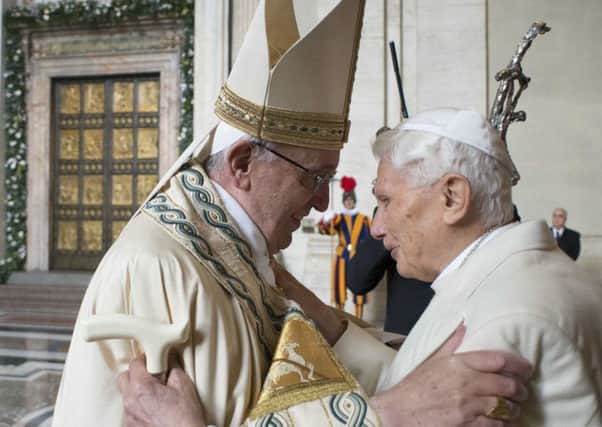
[352, 227]
[568, 240]
[406, 298]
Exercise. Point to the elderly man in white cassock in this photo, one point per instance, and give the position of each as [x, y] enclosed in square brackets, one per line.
[198, 252]
[446, 214]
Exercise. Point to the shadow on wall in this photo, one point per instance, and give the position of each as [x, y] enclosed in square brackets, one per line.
[591, 255]
[593, 265]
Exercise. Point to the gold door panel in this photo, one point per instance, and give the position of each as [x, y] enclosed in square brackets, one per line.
[70, 99]
[69, 144]
[123, 97]
[94, 98]
[93, 190]
[148, 143]
[122, 190]
[92, 236]
[93, 144]
[148, 96]
[67, 238]
[105, 162]
[123, 143]
[68, 189]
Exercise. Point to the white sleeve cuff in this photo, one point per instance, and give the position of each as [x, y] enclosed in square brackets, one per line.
[364, 355]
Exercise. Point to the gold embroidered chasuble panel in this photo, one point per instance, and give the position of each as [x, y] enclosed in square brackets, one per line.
[307, 385]
[191, 211]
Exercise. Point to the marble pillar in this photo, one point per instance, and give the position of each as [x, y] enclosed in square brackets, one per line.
[242, 13]
[216, 42]
[210, 61]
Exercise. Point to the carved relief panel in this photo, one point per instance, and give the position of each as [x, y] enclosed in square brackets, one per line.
[106, 159]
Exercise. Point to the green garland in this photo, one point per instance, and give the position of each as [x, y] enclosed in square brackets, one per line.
[70, 13]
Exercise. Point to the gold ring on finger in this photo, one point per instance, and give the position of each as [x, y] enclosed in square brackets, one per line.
[501, 411]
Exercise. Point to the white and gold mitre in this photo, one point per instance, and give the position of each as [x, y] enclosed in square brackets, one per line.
[290, 88]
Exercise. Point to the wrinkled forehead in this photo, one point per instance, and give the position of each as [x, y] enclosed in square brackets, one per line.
[386, 175]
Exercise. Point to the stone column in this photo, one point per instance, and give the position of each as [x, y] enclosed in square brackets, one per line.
[242, 13]
[210, 60]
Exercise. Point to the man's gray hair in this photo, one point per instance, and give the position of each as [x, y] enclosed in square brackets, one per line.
[425, 158]
[215, 162]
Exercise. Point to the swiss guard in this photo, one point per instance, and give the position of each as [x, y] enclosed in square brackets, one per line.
[352, 227]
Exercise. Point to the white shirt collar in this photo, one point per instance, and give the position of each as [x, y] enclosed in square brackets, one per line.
[250, 233]
[351, 212]
[457, 262]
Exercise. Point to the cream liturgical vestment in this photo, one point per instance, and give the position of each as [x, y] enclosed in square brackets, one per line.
[518, 292]
[182, 257]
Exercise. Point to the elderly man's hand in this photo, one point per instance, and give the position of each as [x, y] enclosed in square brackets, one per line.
[456, 389]
[149, 403]
[327, 321]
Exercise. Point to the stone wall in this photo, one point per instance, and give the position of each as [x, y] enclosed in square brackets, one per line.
[557, 150]
[210, 61]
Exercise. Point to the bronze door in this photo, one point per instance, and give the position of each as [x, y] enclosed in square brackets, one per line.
[105, 162]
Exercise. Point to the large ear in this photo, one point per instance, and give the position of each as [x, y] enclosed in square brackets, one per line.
[238, 163]
[456, 194]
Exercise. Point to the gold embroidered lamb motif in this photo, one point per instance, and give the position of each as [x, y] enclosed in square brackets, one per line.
[293, 363]
[303, 369]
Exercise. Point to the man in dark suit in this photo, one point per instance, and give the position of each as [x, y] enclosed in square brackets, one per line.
[568, 240]
[406, 298]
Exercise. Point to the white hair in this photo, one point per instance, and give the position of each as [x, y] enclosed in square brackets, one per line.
[215, 162]
[424, 158]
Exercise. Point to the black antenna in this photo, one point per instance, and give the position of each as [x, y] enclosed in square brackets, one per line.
[230, 32]
[404, 108]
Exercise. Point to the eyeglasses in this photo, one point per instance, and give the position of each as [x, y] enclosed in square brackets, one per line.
[312, 181]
